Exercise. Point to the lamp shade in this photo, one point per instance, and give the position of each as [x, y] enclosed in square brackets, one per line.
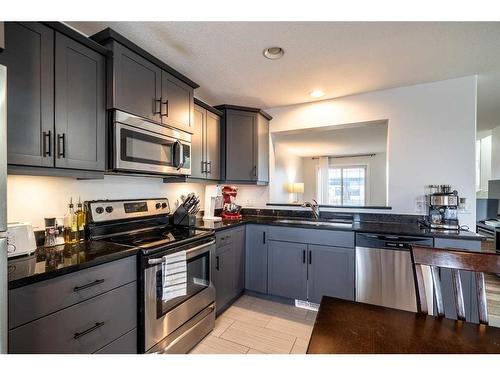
[296, 187]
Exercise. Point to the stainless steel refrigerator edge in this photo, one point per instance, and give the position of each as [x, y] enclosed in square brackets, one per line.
[3, 209]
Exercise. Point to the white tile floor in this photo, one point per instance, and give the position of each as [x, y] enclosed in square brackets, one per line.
[258, 326]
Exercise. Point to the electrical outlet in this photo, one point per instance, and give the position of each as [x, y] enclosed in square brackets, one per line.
[420, 205]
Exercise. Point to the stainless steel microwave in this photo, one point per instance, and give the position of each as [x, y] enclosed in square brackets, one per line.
[141, 146]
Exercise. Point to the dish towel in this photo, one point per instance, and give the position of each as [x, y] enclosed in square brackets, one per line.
[174, 274]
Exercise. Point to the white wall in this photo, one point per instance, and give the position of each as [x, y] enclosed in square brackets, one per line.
[33, 198]
[485, 142]
[287, 168]
[431, 138]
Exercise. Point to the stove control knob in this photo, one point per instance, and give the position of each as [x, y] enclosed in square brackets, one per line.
[99, 210]
[163, 205]
[109, 209]
[158, 206]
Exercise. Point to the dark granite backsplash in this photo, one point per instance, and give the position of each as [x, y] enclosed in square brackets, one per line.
[329, 215]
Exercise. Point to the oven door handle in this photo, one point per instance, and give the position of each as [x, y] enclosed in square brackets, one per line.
[197, 250]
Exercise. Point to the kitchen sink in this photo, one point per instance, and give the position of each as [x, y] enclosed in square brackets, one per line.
[336, 224]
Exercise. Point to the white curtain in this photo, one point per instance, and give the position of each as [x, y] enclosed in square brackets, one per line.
[322, 183]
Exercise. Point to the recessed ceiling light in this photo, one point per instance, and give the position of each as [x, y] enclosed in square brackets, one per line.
[274, 53]
[316, 94]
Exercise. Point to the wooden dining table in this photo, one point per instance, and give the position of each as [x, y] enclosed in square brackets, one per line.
[347, 327]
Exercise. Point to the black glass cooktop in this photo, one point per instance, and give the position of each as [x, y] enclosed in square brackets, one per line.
[158, 237]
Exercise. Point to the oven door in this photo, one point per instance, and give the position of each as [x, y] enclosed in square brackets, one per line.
[140, 150]
[161, 318]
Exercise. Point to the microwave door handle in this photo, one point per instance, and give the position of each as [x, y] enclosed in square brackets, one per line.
[178, 154]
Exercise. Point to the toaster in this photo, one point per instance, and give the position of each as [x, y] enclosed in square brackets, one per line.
[20, 239]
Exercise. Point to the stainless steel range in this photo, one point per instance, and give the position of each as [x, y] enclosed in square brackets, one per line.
[166, 325]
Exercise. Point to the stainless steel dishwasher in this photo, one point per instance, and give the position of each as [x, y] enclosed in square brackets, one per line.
[384, 274]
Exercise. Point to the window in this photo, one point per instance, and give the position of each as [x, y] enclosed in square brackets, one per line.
[346, 185]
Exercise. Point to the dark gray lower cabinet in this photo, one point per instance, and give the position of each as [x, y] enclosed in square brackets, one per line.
[126, 344]
[80, 114]
[466, 277]
[287, 269]
[256, 258]
[224, 277]
[309, 270]
[228, 269]
[330, 272]
[81, 312]
[82, 328]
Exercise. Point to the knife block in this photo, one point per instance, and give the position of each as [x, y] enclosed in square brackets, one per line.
[182, 217]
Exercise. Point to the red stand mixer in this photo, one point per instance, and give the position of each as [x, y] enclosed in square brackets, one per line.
[230, 210]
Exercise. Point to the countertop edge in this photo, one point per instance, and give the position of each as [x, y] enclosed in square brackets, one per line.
[29, 280]
[255, 221]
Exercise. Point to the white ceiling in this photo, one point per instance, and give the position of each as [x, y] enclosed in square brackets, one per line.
[341, 58]
[343, 140]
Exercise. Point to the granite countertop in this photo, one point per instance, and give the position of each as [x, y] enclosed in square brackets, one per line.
[49, 262]
[402, 229]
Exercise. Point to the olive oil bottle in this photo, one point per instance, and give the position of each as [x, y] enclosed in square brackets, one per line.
[70, 224]
[80, 220]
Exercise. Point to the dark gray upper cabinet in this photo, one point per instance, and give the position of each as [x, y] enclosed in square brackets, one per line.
[256, 258]
[79, 106]
[56, 107]
[143, 85]
[205, 143]
[240, 146]
[213, 137]
[198, 143]
[330, 272]
[262, 149]
[176, 101]
[134, 83]
[246, 146]
[30, 88]
[287, 269]
[2, 36]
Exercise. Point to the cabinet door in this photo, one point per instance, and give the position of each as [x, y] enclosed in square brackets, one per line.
[287, 271]
[137, 84]
[256, 258]
[198, 143]
[80, 108]
[213, 134]
[224, 278]
[240, 141]
[29, 57]
[177, 101]
[238, 245]
[262, 149]
[330, 272]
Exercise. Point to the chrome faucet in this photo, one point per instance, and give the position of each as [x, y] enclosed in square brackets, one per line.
[314, 208]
